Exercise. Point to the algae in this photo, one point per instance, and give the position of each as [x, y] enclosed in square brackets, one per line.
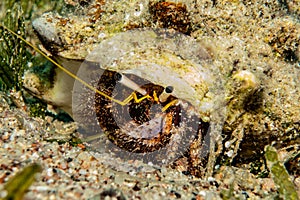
[13, 56]
[280, 175]
[17, 186]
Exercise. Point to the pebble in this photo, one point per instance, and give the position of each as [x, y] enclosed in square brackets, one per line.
[82, 171]
[229, 153]
[50, 172]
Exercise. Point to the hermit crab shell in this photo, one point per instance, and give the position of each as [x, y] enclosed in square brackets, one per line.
[163, 58]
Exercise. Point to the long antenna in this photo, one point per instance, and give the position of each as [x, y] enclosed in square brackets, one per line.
[64, 69]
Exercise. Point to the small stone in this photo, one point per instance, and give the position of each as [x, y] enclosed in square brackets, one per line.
[49, 172]
[211, 179]
[227, 144]
[229, 153]
[83, 171]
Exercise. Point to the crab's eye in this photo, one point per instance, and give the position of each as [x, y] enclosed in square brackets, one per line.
[118, 77]
[169, 89]
[166, 94]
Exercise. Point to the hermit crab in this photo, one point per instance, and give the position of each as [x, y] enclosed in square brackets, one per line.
[156, 94]
[146, 94]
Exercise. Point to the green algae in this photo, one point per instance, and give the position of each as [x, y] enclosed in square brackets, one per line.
[13, 56]
[17, 186]
[280, 175]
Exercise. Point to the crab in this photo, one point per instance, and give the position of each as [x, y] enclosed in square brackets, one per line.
[134, 72]
[161, 78]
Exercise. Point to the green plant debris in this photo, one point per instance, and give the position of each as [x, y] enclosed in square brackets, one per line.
[13, 54]
[16, 187]
[14, 57]
[280, 175]
[73, 141]
[37, 107]
[30, 7]
[227, 194]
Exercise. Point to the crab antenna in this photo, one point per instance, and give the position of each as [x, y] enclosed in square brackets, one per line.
[62, 68]
[166, 93]
[121, 78]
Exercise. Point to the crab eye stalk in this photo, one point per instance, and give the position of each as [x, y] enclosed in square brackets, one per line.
[166, 93]
[121, 78]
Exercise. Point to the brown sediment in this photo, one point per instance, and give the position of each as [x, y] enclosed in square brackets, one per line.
[171, 15]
